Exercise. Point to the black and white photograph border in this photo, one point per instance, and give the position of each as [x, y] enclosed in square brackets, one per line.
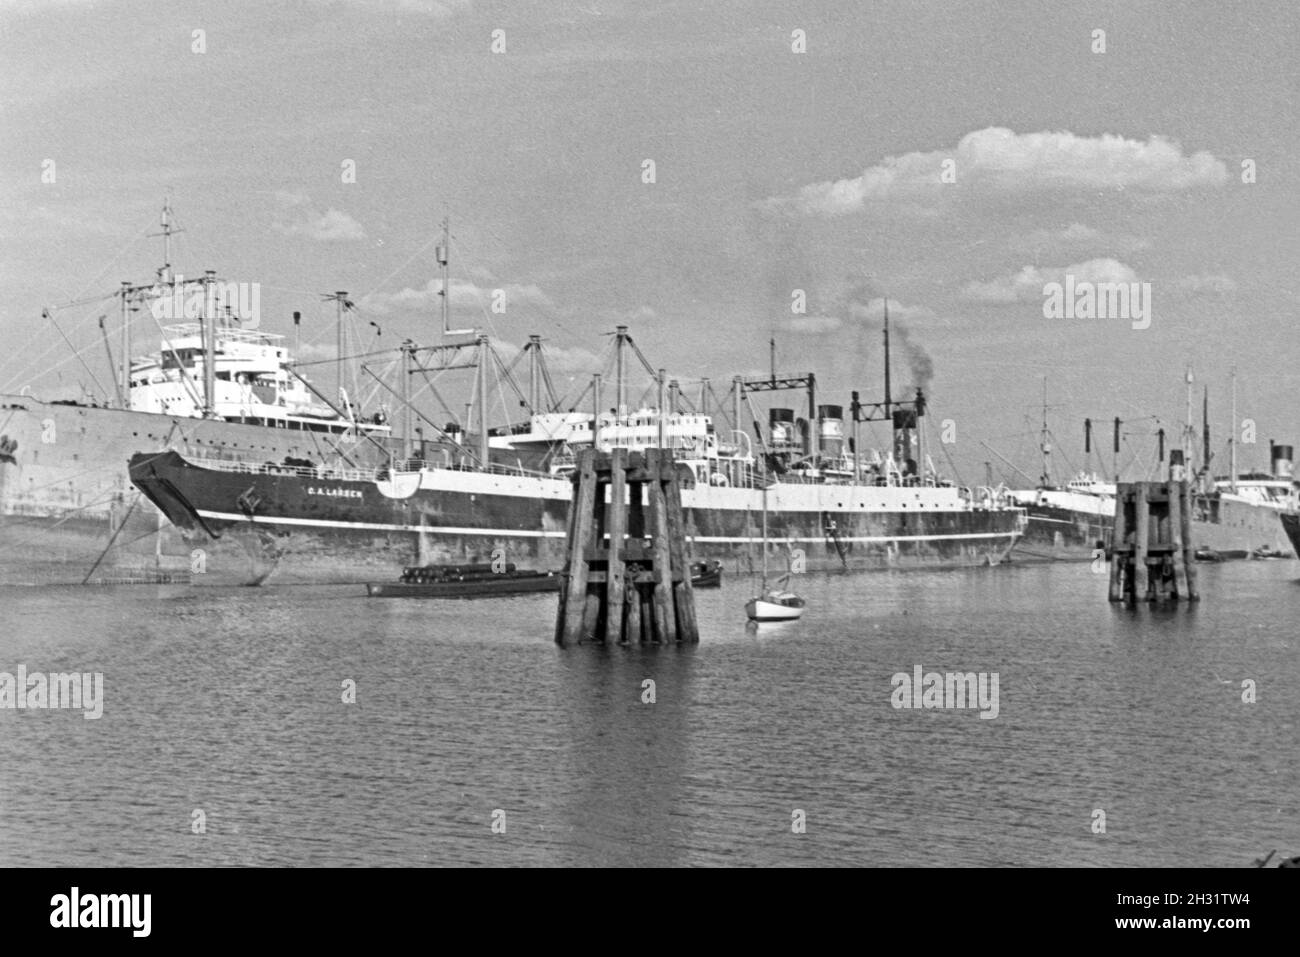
[692, 434]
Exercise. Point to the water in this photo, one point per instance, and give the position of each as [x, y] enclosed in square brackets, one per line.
[230, 702]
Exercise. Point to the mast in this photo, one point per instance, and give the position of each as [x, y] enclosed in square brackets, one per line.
[1205, 437]
[888, 402]
[855, 408]
[1044, 445]
[765, 533]
[534, 348]
[112, 363]
[1232, 433]
[443, 254]
[737, 392]
[482, 401]
[341, 303]
[595, 413]
[407, 349]
[662, 417]
[165, 278]
[704, 397]
[620, 384]
[209, 330]
[165, 273]
[125, 394]
[772, 348]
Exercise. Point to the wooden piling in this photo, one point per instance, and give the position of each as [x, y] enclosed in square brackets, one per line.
[1185, 518]
[665, 616]
[615, 526]
[1142, 542]
[617, 585]
[1151, 557]
[1176, 534]
[1119, 540]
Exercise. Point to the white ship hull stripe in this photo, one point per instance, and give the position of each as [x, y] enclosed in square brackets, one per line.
[521, 533]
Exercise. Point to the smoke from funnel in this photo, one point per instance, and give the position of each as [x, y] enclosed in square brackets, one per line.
[867, 306]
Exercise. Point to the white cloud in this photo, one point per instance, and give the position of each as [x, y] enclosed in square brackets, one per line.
[1079, 235]
[1027, 284]
[331, 226]
[1001, 160]
[465, 295]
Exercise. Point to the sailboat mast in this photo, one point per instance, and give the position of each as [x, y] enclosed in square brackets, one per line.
[765, 533]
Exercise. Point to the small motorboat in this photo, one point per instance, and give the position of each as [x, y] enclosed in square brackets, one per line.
[775, 606]
[1204, 554]
[706, 574]
[1267, 551]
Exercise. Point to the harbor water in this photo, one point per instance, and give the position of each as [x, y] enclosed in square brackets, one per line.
[225, 737]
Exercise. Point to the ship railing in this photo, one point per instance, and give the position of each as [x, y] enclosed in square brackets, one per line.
[345, 474]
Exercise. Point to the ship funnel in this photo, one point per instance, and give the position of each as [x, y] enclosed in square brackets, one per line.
[781, 426]
[830, 440]
[1282, 458]
[1177, 465]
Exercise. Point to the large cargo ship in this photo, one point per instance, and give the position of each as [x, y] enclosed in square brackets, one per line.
[1066, 523]
[217, 387]
[1239, 518]
[68, 513]
[830, 503]
[1234, 516]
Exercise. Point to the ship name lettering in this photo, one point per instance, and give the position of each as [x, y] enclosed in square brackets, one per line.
[334, 492]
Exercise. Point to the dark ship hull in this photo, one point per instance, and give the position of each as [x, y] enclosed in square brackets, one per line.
[330, 526]
[1062, 534]
[1291, 526]
[68, 511]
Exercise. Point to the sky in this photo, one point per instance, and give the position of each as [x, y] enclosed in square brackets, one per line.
[810, 161]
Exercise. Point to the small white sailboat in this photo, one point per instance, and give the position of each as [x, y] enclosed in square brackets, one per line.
[773, 604]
